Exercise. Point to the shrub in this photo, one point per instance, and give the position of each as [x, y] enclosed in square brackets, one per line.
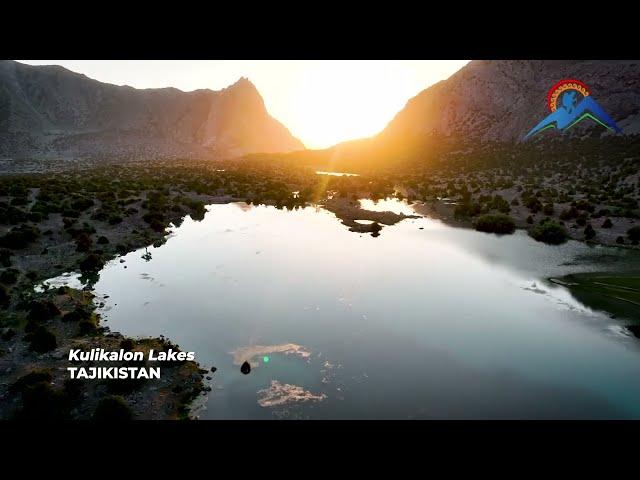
[157, 226]
[92, 263]
[582, 219]
[549, 232]
[9, 276]
[82, 204]
[87, 327]
[5, 257]
[19, 237]
[83, 242]
[5, 298]
[31, 378]
[34, 217]
[589, 232]
[620, 239]
[8, 334]
[42, 340]
[607, 223]
[41, 311]
[76, 315]
[465, 210]
[569, 213]
[530, 220]
[40, 401]
[71, 213]
[533, 204]
[73, 387]
[102, 240]
[112, 408]
[634, 233]
[495, 223]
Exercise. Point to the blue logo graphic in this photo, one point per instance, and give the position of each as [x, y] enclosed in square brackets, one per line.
[570, 102]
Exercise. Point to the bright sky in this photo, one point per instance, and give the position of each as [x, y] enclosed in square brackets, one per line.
[322, 102]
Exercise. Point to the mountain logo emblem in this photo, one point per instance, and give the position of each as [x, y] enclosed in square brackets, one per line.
[570, 102]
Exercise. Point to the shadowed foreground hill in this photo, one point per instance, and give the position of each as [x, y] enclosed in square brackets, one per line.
[49, 111]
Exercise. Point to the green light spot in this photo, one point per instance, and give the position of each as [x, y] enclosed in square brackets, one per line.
[265, 359]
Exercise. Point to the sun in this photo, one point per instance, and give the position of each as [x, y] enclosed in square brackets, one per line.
[338, 101]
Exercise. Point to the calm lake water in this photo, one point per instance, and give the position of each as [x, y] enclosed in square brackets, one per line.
[424, 321]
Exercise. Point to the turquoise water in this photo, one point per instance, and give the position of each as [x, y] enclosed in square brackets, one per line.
[424, 321]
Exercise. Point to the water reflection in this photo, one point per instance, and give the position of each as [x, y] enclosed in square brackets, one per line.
[387, 205]
[338, 174]
[426, 321]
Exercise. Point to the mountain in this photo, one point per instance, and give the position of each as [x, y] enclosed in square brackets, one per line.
[50, 111]
[501, 100]
[487, 101]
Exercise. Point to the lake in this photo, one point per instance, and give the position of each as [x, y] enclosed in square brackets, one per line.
[425, 321]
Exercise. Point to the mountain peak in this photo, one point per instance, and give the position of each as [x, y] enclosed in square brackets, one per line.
[52, 110]
[243, 83]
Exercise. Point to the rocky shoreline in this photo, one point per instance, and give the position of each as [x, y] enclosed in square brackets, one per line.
[445, 212]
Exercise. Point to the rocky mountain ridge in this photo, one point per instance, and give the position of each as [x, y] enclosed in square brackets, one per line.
[501, 100]
[49, 111]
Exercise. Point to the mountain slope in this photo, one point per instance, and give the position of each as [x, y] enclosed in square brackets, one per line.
[50, 110]
[501, 100]
[486, 101]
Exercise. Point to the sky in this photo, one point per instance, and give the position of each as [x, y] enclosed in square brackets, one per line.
[321, 102]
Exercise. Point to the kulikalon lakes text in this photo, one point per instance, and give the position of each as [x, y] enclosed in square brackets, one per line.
[122, 372]
[101, 355]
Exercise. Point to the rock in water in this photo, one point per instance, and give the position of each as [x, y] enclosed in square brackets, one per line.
[245, 368]
[213, 369]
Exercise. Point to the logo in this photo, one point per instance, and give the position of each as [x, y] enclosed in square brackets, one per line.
[570, 102]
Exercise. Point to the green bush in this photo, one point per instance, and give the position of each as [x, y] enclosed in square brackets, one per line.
[76, 315]
[92, 263]
[42, 340]
[40, 401]
[19, 237]
[31, 378]
[9, 276]
[465, 210]
[112, 408]
[41, 311]
[83, 242]
[634, 233]
[8, 334]
[549, 232]
[495, 223]
[5, 298]
[5, 257]
[589, 232]
[87, 327]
